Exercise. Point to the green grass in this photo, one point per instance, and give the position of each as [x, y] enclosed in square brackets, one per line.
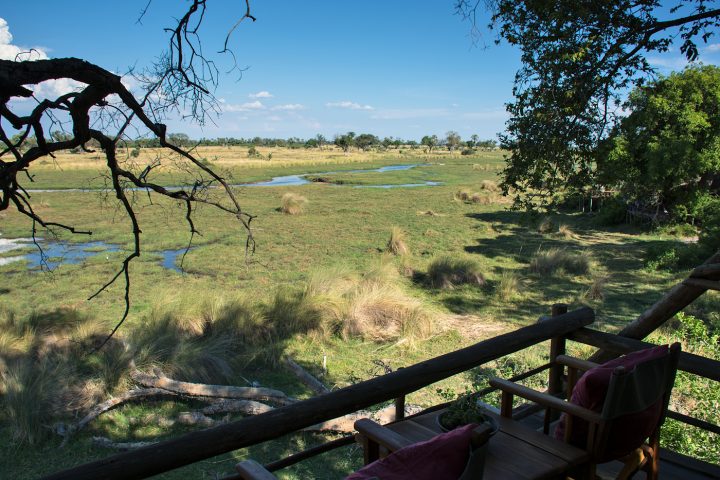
[297, 295]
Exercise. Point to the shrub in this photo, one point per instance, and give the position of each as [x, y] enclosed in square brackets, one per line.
[612, 212]
[293, 204]
[396, 244]
[548, 262]
[448, 272]
[467, 151]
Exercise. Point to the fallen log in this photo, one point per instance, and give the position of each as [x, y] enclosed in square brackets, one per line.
[246, 407]
[122, 446]
[311, 382]
[217, 391]
[346, 423]
[132, 395]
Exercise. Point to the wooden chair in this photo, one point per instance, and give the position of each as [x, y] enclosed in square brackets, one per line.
[374, 436]
[252, 470]
[633, 391]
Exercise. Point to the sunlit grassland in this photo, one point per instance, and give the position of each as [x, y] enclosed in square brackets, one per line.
[340, 227]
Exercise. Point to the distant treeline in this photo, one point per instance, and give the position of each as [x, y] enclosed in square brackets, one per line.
[364, 141]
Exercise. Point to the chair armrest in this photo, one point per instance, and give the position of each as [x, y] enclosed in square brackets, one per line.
[252, 470]
[546, 400]
[381, 435]
[577, 363]
[480, 435]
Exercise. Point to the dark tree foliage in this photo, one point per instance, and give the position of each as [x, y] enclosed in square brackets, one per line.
[103, 113]
[666, 152]
[579, 57]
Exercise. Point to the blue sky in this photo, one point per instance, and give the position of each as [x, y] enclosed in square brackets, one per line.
[392, 68]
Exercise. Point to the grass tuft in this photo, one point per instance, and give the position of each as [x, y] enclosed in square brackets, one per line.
[546, 225]
[490, 186]
[507, 286]
[596, 291]
[397, 242]
[293, 204]
[566, 232]
[448, 272]
[548, 262]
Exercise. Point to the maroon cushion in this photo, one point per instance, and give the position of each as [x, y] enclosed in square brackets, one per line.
[441, 458]
[626, 432]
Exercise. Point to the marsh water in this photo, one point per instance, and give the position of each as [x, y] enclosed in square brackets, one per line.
[53, 254]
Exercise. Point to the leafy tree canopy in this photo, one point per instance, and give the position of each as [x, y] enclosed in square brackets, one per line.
[666, 152]
[579, 58]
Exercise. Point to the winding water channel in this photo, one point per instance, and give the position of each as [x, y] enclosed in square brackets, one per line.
[56, 253]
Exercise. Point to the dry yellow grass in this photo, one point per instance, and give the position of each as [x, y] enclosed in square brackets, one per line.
[225, 157]
[293, 204]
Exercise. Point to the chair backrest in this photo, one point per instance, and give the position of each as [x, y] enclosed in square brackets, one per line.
[636, 403]
[637, 389]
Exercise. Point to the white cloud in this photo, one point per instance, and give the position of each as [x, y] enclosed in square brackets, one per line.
[712, 48]
[289, 106]
[243, 107]
[47, 89]
[262, 94]
[8, 51]
[350, 105]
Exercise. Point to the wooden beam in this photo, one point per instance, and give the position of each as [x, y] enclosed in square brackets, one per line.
[702, 283]
[708, 270]
[196, 446]
[689, 362]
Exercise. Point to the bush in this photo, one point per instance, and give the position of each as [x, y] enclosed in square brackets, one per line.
[548, 262]
[293, 204]
[693, 395]
[612, 212]
[710, 226]
[467, 151]
[448, 272]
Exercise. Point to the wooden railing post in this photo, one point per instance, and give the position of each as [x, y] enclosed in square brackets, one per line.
[555, 380]
[400, 406]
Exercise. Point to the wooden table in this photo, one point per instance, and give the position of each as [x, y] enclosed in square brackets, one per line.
[514, 452]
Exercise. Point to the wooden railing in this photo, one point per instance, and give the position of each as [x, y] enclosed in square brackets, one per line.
[196, 446]
[559, 328]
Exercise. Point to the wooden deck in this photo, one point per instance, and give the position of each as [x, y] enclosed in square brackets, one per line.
[673, 465]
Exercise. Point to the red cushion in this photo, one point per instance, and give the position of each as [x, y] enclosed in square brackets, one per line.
[627, 432]
[441, 458]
